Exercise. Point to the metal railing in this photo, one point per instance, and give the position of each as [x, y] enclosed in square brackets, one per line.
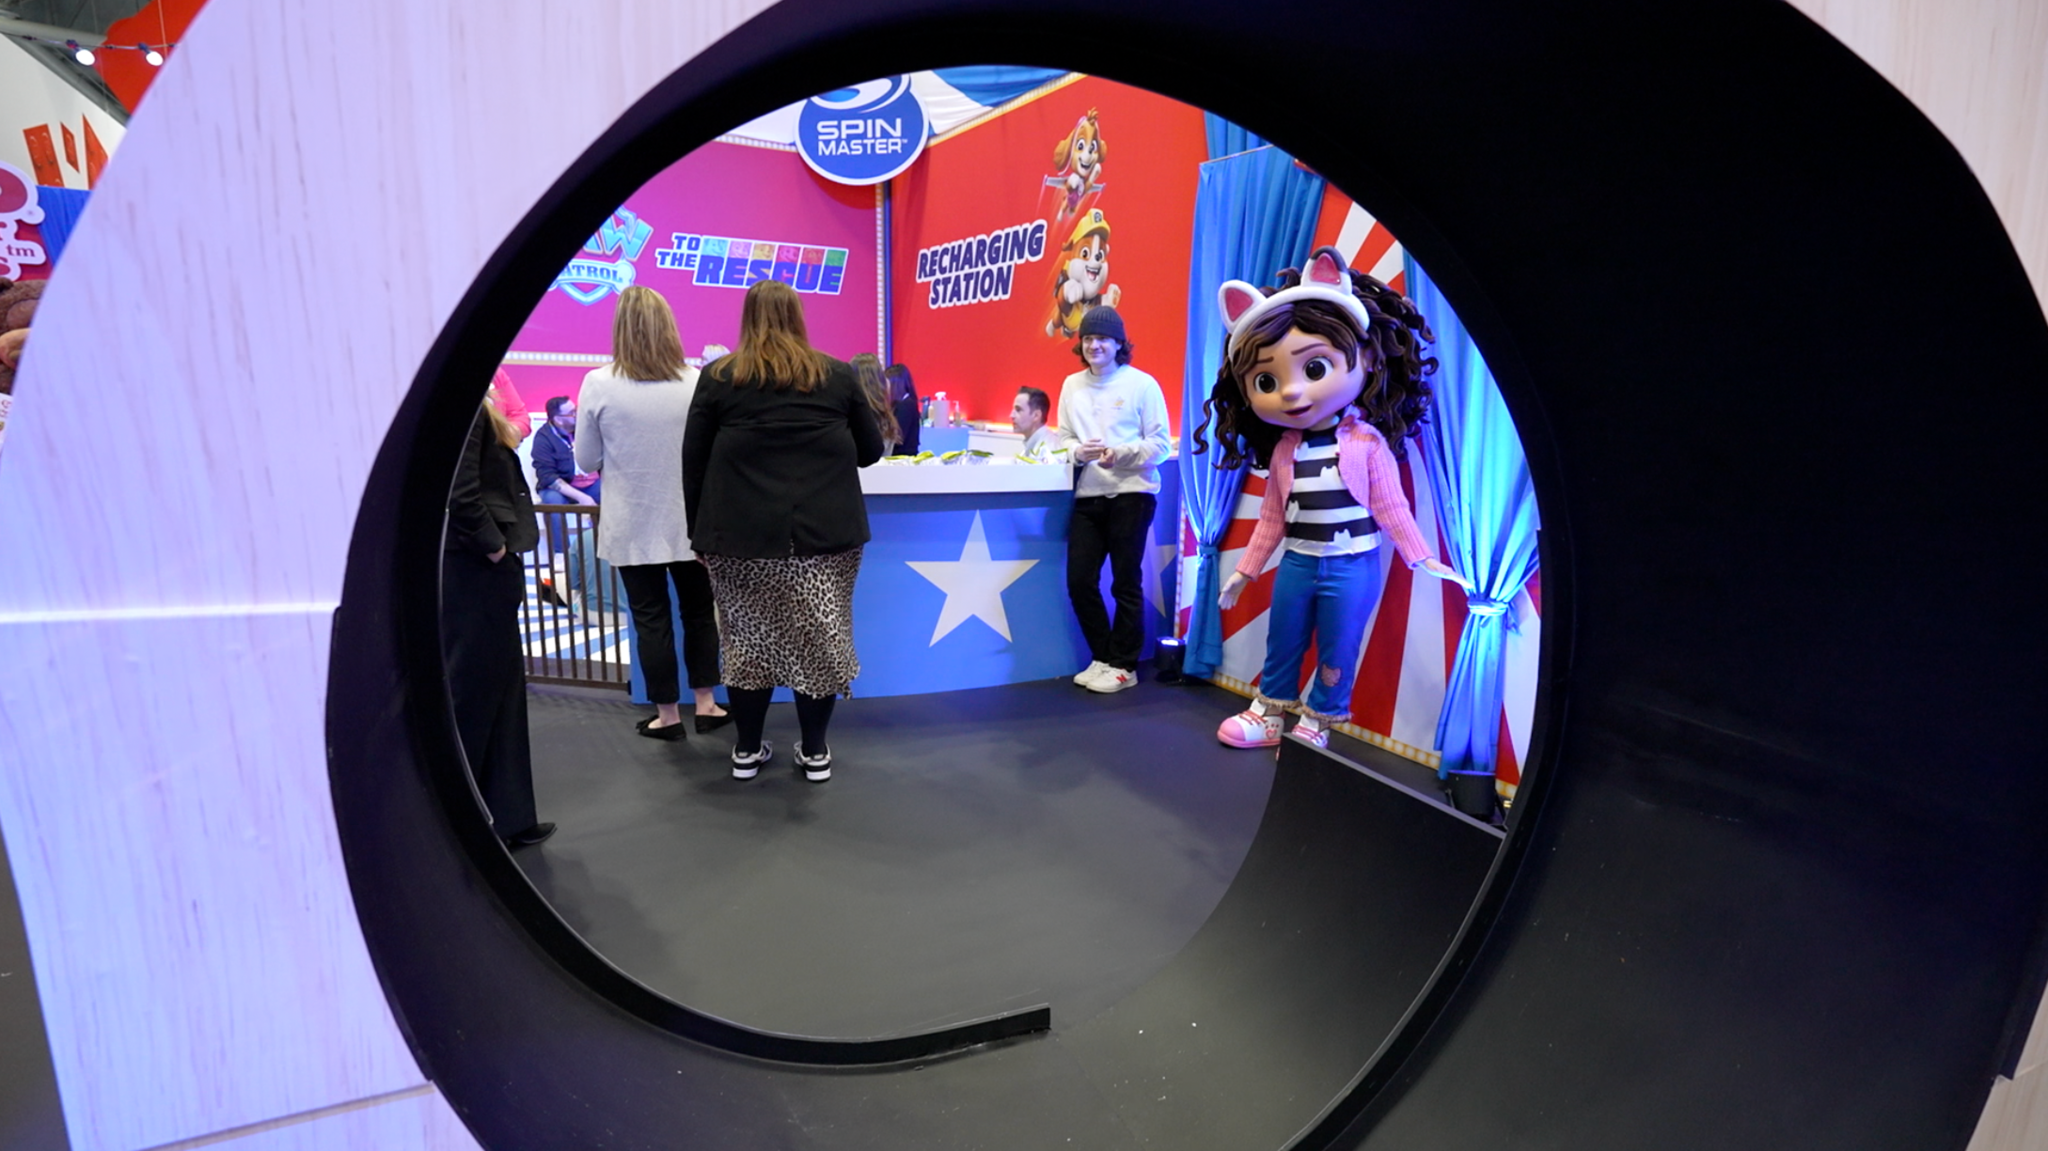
[573, 619]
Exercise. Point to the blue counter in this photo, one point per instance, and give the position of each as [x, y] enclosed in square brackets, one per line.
[964, 583]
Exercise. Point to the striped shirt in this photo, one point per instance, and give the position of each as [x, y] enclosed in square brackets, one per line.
[1323, 519]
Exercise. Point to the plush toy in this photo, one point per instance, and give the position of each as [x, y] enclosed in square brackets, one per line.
[1081, 281]
[17, 308]
[1324, 380]
[1077, 163]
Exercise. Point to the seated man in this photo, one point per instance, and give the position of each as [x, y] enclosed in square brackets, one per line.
[1027, 416]
[554, 470]
[554, 459]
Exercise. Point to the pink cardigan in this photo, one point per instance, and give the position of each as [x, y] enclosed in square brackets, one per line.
[1367, 466]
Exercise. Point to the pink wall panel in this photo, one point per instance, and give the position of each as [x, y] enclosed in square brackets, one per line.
[791, 220]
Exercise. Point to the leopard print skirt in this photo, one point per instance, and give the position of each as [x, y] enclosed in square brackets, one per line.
[787, 622]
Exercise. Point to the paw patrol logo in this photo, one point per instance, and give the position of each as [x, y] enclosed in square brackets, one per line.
[864, 134]
[17, 207]
[588, 279]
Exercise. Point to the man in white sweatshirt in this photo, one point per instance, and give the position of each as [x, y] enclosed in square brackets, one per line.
[1113, 424]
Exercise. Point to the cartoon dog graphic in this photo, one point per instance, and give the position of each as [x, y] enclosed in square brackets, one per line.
[1083, 275]
[1077, 163]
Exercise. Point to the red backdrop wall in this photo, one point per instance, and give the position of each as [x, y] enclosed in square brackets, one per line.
[715, 196]
[993, 176]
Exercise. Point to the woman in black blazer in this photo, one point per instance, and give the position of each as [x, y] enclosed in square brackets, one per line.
[771, 452]
[490, 521]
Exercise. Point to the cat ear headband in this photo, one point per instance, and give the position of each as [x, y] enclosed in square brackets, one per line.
[1324, 279]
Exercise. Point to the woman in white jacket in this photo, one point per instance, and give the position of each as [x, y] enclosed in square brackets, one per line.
[631, 428]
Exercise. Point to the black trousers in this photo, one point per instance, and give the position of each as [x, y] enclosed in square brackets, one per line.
[1116, 527]
[647, 594]
[487, 680]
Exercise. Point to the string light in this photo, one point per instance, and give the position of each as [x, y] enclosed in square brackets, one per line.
[152, 55]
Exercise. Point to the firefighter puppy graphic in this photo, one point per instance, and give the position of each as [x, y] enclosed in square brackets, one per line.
[1083, 276]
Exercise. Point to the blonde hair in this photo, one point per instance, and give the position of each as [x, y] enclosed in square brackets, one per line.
[867, 368]
[645, 343]
[506, 432]
[775, 348]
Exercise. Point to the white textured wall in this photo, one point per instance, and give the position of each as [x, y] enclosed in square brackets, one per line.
[198, 957]
[198, 410]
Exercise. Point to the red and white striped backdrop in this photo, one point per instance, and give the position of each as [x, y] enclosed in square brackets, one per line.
[1413, 636]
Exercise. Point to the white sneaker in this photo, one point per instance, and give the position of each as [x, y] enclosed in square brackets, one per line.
[1115, 679]
[817, 768]
[1088, 674]
[1311, 731]
[749, 766]
[1255, 726]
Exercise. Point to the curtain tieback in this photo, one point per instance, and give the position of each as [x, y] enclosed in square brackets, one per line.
[1209, 551]
[1484, 605]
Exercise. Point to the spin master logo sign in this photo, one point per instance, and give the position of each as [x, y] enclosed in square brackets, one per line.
[864, 134]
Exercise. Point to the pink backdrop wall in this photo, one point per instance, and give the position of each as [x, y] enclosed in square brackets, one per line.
[715, 195]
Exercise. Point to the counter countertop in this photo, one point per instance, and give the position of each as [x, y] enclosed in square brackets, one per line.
[945, 479]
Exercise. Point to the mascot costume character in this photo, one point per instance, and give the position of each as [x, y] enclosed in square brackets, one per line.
[1323, 382]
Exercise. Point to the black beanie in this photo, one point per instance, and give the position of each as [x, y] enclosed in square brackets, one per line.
[1102, 320]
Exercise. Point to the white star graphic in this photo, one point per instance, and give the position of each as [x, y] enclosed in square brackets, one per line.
[1163, 557]
[973, 584]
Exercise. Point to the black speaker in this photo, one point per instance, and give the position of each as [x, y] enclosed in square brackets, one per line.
[1166, 662]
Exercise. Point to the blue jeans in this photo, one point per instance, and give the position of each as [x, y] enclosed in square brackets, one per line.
[555, 525]
[1328, 599]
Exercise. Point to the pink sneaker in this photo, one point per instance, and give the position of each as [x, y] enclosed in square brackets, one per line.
[1311, 731]
[1252, 727]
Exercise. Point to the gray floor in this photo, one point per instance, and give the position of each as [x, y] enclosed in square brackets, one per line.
[975, 851]
[31, 1117]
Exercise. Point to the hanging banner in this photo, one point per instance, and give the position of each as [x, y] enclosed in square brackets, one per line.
[864, 134]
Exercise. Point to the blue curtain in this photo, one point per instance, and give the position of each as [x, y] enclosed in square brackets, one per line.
[1255, 213]
[992, 84]
[1226, 138]
[61, 207]
[1488, 511]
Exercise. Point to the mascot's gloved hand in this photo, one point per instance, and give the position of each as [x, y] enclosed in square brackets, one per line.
[1442, 570]
[1232, 588]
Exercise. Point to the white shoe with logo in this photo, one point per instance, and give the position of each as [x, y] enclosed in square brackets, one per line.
[1088, 674]
[1312, 731]
[817, 768]
[1255, 726]
[1113, 679]
[749, 766]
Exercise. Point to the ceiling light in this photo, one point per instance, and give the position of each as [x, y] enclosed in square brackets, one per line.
[83, 55]
[152, 57]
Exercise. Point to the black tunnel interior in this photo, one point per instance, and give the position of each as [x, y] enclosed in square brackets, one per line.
[1774, 879]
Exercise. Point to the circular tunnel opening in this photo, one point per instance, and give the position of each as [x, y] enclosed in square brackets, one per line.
[1597, 76]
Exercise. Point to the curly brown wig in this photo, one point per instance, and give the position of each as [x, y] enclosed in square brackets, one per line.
[1395, 398]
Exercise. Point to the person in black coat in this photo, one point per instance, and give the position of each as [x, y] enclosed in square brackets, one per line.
[490, 521]
[903, 400]
[771, 488]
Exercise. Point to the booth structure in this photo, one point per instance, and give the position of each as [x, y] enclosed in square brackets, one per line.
[1036, 188]
[1748, 901]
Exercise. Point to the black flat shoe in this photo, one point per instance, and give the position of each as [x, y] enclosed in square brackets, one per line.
[538, 833]
[712, 722]
[672, 732]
